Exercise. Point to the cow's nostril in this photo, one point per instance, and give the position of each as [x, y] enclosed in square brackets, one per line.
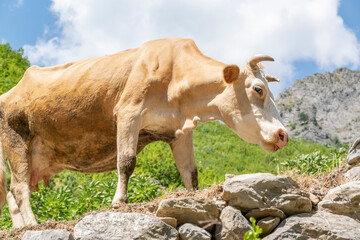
[281, 136]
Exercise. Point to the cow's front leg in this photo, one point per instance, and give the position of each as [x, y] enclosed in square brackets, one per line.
[183, 152]
[127, 139]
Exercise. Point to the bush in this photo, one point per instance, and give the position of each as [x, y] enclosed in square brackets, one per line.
[254, 233]
[303, 117]
[315, 163]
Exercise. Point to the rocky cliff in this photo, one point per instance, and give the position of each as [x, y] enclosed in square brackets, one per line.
[323, 108]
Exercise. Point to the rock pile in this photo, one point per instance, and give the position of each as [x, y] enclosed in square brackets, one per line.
[281, 209]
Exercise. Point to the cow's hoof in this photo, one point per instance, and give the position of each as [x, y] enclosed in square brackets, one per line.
[117, 205]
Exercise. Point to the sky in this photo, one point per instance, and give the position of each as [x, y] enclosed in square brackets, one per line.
[304, 37]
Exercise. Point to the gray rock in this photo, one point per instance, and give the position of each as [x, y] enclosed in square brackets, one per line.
[264, 190]
[268, 224]
[321, 225]
[265, 212]
[190, 231]
[114, 225]
[353, 156]
[314, 199]
[53, 234]
[343, 200]
[323, 108]
[170, 221]
[188, 210]
[233, 225]
[353, 174]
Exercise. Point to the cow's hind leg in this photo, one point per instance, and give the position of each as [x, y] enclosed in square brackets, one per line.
[14, 210]
[16, 149]
[183, 152]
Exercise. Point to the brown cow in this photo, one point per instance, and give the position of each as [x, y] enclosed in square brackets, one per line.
[95, 115]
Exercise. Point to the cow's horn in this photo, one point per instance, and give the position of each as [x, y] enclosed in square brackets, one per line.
[259, 58]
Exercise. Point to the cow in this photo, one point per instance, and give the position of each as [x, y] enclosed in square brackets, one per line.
[95, 115]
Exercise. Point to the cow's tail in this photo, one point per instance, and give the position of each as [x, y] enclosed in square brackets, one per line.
[2, 178]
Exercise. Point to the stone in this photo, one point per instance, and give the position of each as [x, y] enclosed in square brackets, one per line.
[233, 225]
[353, 174]
[265, 212]
[190, 231]
[188, 210]
[343, 200]
[353, 156]
[170, 221]
[314, 226]
[52, 234]
[115, 225]
[268, 224]
[264, 190]
[314, 199]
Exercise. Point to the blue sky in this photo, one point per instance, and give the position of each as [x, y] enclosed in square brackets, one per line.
[58, 31]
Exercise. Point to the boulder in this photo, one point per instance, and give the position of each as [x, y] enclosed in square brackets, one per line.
[188, 210]
[170, 221]
[353, 174]
[265, 212]
[268, 224]
[314, 226]
[115, 225]
[190, 231]
[52, 234]
[233, 225]
[264, 190]
[353, 156]
[343, 200]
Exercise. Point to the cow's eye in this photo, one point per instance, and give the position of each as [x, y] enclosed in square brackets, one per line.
[258, 90]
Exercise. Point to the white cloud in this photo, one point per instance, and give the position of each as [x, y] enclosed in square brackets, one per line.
[227, 30]
[19, 3]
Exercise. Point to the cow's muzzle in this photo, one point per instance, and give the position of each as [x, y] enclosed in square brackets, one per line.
[282, 139]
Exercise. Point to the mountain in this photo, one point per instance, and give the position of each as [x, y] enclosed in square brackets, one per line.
[323, 108]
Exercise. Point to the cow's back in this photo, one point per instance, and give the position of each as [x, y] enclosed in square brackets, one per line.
[71, 107]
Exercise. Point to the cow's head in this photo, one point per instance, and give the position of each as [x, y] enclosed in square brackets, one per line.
[247, 106]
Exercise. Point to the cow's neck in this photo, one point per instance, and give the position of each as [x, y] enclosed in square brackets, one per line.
[201, 103]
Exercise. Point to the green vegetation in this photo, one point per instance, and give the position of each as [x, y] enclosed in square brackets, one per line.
[292, 126]
[315, 163]
[12, 67]
[254, 233]
[303, 117]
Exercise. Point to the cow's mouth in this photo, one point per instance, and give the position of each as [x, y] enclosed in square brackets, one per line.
[270, 146]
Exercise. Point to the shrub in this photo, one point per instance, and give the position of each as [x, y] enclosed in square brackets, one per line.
[303, 117]
[254, 233]
[314, 163]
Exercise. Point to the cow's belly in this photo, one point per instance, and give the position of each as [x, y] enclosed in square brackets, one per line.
[95, 155]
[91, 156]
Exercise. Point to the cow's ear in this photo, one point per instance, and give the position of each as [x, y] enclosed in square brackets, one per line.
[231, 73]
[272, 78]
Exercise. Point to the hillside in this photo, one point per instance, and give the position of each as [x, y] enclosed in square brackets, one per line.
[323, 108]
